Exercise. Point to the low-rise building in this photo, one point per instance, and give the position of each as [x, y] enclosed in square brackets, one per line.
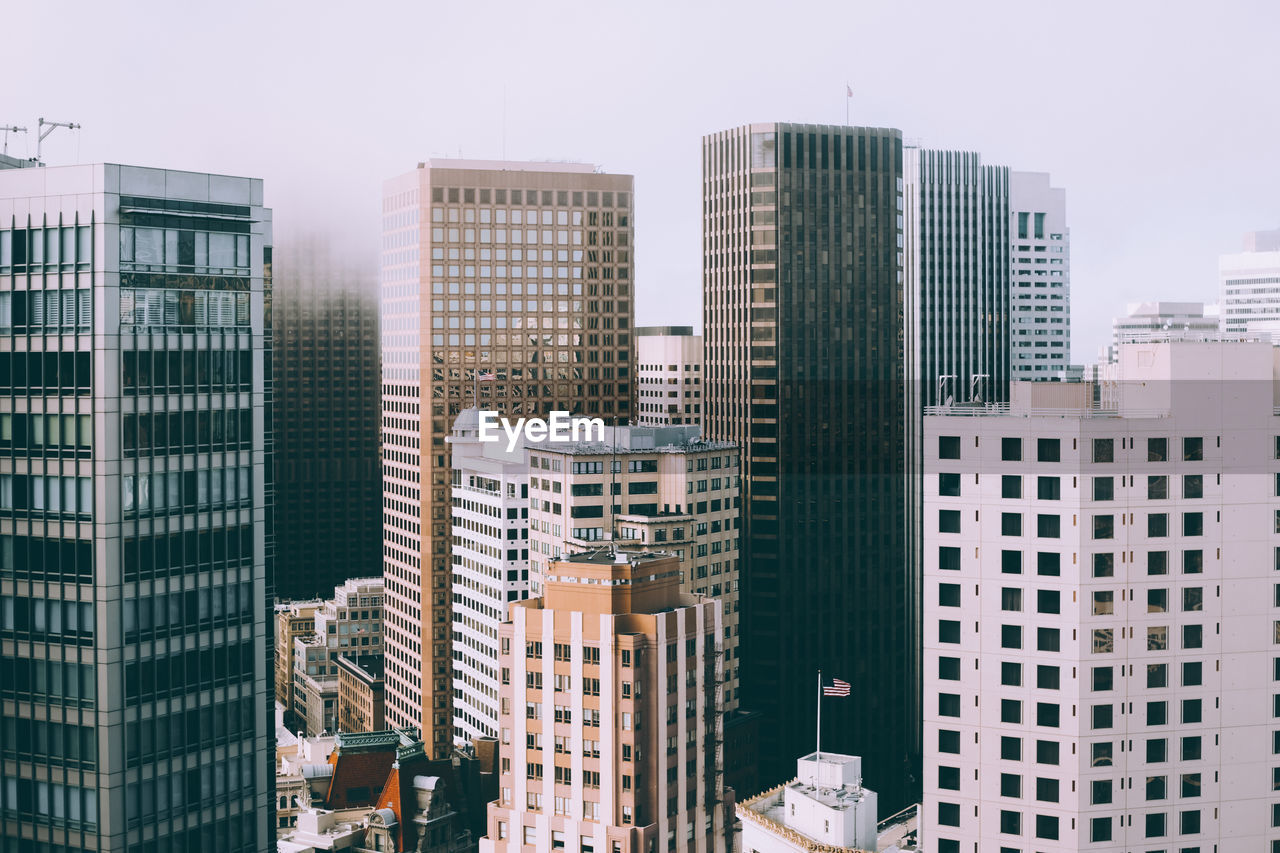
[360, 693]
[825, 808]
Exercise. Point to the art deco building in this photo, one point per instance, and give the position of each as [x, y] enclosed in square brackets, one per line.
[518, 271]
[611, 714]
[135, 638]
[328, 507]
[806, 367]
[669, 366]
[1102, 618]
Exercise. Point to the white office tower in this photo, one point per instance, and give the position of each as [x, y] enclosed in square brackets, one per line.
[1148, 321]
[669, 373]
[1250, 285]
[1040, 254]
[824, 808]
[490, 556]
[1102, 635]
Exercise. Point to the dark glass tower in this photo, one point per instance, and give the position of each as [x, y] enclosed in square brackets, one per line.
[134, 528]
[803, 289]
[328, 506]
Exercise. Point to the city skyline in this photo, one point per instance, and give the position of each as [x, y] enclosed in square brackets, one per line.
[1134, 229]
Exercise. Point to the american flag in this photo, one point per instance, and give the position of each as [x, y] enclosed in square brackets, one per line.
[487, 376]
[836, 688]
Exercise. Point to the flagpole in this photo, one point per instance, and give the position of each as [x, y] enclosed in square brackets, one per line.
[817, 753]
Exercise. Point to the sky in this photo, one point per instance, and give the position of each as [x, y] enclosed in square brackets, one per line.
[1160, 119]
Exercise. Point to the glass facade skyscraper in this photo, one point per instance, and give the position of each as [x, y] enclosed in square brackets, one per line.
[134, 526]
[806, 367]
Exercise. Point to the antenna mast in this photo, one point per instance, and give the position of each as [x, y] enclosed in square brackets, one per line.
[52, 125]
[8, 129]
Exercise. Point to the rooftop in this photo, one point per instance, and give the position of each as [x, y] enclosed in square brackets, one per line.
[509, 165]
[370, 665]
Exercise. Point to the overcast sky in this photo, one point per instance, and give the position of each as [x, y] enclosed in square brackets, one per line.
[1161, 120]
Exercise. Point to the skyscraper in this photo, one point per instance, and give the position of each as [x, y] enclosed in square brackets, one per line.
[134, 483]
[1102, 613]
[328, 506]
[1248, 282]
[669, 367]
[612, 716]
[803, 290]
[507, 285]
[959, 241]
[1040, 254]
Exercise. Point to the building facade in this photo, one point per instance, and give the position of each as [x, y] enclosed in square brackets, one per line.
[1100, 608]
[135, 659]
[1153, 321]
[351, 623]
[612, 716]
[293, 620]
[1249, 285]
[670, 491]
[1040, 281]
[328, 489]
[669, 370]
[961, 263]
[806, 366]
[361, 700]
[518, 271]
[490, 517]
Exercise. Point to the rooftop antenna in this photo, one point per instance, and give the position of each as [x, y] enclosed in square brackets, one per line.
[52, 125]
[8, 129]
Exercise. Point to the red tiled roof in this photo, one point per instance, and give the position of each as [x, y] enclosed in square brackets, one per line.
[358, 777]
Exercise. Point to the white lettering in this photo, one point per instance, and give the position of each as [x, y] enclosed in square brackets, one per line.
[559, 426]
[588, 426]
[513, 433]
[488, 423]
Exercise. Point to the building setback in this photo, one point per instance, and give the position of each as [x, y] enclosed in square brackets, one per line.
[1249, 283]
[612, 715]
[669, 367]
[328, 488]
[135, 461]
[806, 367]
[519, 274]
[1100, 610]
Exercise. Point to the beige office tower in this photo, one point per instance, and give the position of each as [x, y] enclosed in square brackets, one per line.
[671, 491]
[510, 284]
[669, 372]
[611, 714]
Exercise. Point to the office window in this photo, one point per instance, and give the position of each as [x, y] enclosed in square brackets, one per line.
[1157, 750]
[948, 559]
[949, 741]
[1192, 673]
[1100, 828]
[949, 668]
[949, 704]
[1011, 449]
[948, 631]
[1192, 562]
[1046, 790]
[1190, 783]
[1157, 638]
[1192, 636]
[1048, 639]
[1011, 599]
[1011, 562]
[1102, 716]
[1192, 449]
[1104, 527]
[1191, 748]
[1011, 524]
[1192, 711]
[1193, 524]
[1155, 825]
[948, 521]
[1157, 675]
[1048, 488]
[1157, 713]
[1102, 754]
[949, 594]
[1046, 826]
[1048, 450]
[1104, 602]
[1010, 711]
[1048, 600]
[1010, 674]
[1010, 636]
[949, 778]
[1157, 488]
[1049, 564]
[1157, 450]
[949, 814]
[1103, 678]
[1010, 785]
[1101, 792]
[1104, 450]
[1192, 599]
[1010, 748]
[1104, 565]
[1011, 822]
[948, 447]
[1104, 641]
[1157, 524]
[1157, 601]
[1048, 677]
[1011, 486]
[1157, 562]
[1048, 752]
[1193, 486]
[1157, 788]
[1047, 714]
[948, 485]
[1104, 488]
[1048, 526]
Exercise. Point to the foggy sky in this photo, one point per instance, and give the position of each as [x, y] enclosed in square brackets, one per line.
[1159, 119]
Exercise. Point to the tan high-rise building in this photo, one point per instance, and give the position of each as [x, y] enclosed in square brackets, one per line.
[517, 274]
[669, 372]
[671, 491]
[612, 714]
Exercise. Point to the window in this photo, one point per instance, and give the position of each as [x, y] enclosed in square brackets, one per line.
[1010, 785]
[1048, 677]
[1048, 526]
[1192, 598]
[1049, 488]
[1010, 674]
[1192, 449]
[1011, 599]
[1192, 673]
[949, 668]
[949, 778]
[1010, 524]
[1046, 826]
[1191, 748]
[1010, 711]
[1157, 750]
[948, 485]
[1048, 563]
[1157, 601]
[1190, 784]
[1048, 601]
[1101, 792]
[1011, 562]
[949, 558]
[949, 741]
[1102, 754]
[1011, 449]
[1157, 488]
[1104, 641]
[1104, 527]
[1011, 822]
[1010, 636]
[948, 447]
[1010, 748]
[1157, 675]
[1157, 713]
[1048, 639]
[948, 631]
[1157, 638]
[1010, 486]
[949, 814]
[1192, 636]
[1103, 679]
[1104, 565]
[949, 594]
[1192, 711]
[1048, 450]
[1104, 488]
[1155, 825]
[1047, 752]
[1192, 562]
[1157, 450]
[1046, 790]
[1047, 714]
[1100, 828]
[1193, 486]
[1104, 450]
[1157, 524]
[1104, 602]
[948, 704]
[1193, 524]
[948, 521]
